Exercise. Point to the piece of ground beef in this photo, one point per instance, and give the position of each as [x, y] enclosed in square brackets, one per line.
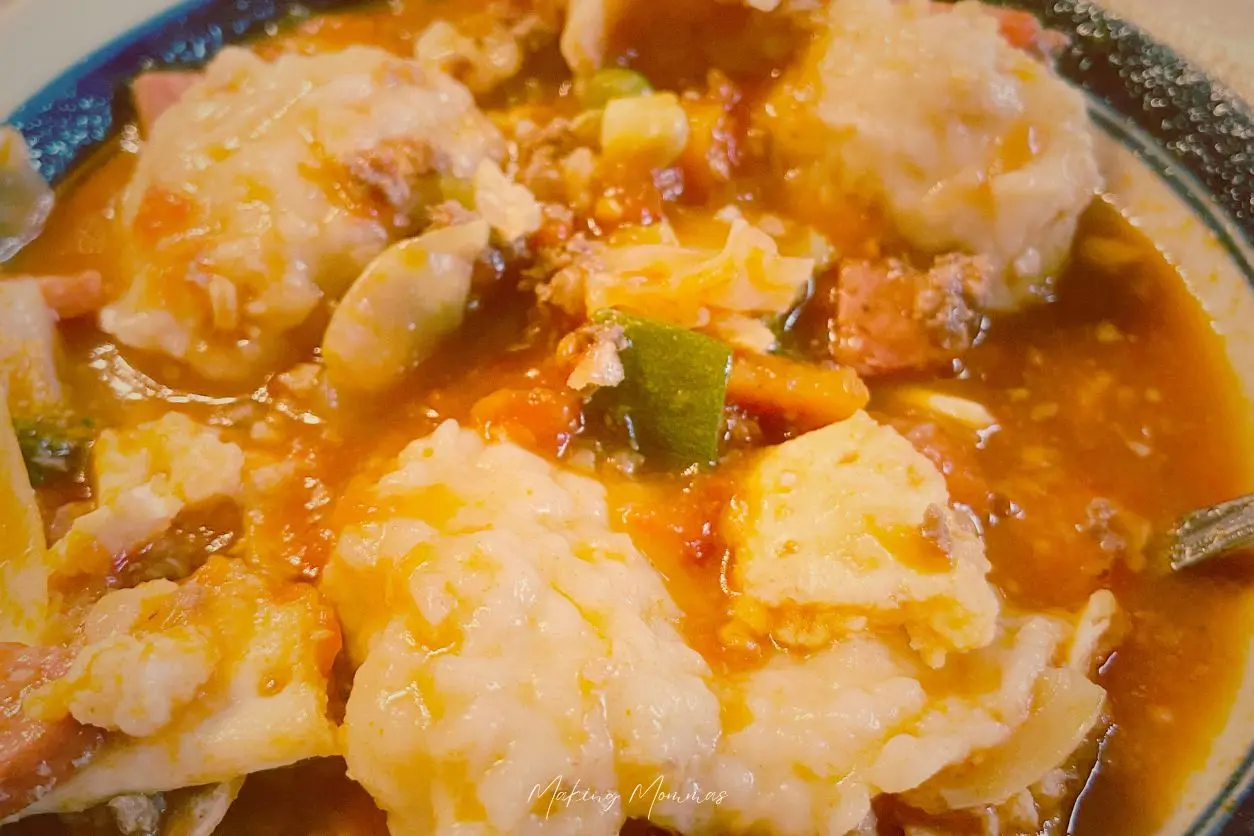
[35, 754]
[891, 317]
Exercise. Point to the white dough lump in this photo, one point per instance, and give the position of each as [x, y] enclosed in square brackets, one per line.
[269, 186]
[223, 674]
[507, 637]
[965, 142]
[512, 647]
[848, 527]
[815, 740]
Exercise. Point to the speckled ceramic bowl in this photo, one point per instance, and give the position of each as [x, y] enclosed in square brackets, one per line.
[1179, 157]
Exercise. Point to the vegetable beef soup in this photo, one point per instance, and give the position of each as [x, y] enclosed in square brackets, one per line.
[496, 418]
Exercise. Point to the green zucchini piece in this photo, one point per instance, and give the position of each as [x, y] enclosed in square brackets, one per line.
[673, 390]
[55, 451]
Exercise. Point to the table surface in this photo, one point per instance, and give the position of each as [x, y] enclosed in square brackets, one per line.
[1216, 34]
[1242, 823]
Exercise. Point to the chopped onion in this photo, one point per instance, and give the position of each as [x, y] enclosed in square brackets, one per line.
[967, 412]
[29, 349]
[405, 302]
[23, 578]
[1067, 707]
[25, 199]
[509, 208]
[201, 811]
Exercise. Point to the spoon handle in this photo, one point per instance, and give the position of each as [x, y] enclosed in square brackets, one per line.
[1211, 532]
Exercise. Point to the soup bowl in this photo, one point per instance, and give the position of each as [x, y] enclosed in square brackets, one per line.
[1177, 151]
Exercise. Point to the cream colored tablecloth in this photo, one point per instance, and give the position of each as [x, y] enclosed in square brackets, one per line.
[1218, 35]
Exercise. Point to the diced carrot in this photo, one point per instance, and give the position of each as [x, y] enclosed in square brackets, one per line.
[74, 294]
[161, 213]
[686, 525]
[541, 419]
[1020, 28]
[36, 754]
[812, 396]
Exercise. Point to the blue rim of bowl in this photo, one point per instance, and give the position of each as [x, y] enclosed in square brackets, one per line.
[80, 109]
[1195, 134]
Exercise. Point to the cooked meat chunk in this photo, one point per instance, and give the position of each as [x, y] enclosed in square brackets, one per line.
[891, 317]
[154, 92]
[35, 754]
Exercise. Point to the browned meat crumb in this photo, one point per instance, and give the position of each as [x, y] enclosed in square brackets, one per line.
[891, 317]
[35, 755]
[541, 146]
[388, 172]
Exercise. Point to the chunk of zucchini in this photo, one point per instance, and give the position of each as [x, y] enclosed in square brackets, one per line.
[673, 389]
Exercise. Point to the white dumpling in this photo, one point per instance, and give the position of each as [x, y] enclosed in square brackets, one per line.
[219, 676]
[848, 527]
[820, 737]
[269, 186]
[143, 478]
[508, 637]
[964, 141]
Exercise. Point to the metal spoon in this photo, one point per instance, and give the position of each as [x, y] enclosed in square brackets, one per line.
[1211, 532]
